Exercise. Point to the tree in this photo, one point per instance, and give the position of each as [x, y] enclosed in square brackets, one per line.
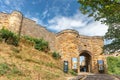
[108, 12]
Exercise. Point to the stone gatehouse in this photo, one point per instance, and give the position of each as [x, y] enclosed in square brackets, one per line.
[83, 53]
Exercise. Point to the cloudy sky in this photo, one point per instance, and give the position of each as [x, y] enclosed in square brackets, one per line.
[56, 15]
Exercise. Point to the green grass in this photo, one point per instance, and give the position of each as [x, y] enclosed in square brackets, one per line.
[6, 69]
[72, 72]
[26, 63]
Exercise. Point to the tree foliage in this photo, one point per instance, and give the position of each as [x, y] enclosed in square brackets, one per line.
[115, 67]
[108, 12]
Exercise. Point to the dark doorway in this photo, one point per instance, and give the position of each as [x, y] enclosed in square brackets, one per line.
[85, 62]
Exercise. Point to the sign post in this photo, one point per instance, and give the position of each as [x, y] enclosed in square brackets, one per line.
[65, 65]
[101, 66]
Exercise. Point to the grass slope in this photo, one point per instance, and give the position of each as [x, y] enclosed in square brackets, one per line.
[26, 63]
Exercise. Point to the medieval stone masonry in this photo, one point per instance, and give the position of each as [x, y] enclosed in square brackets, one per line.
[83, 53]
[19, 24]
[72, 45]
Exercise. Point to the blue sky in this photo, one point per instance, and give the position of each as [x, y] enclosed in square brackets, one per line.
[56, 15]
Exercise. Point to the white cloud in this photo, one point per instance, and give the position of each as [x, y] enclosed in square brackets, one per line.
[7, 2]
[60, 23]
[45, 13]
[79, 22]
[8, 5]
[94, 29]
[37, 20]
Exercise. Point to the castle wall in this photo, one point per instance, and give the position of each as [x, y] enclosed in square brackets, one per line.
[15, 22]
[30, 28]
[4, 22]
[71, 45]
[94, 46]
[67, 42]
[66, 45]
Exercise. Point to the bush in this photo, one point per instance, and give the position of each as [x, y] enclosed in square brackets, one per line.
[40, 44]
[9, 37]
[113, 65]
[56, 55]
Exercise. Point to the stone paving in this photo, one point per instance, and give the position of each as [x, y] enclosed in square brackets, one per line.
[94, 77]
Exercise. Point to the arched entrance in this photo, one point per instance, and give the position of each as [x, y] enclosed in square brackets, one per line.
[85, 61]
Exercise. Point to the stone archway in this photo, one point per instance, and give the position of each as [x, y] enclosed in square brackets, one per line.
[85, 61]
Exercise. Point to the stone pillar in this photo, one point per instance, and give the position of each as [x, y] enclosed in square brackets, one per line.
[15, 21]
[89, 68]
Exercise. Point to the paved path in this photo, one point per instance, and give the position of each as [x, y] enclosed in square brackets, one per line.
[94, 77]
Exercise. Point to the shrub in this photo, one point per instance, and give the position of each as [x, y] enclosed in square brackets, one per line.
[9, 37]
[40, 44]
[56, 55]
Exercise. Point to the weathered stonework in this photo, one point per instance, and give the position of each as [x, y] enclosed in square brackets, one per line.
[67, 42]
[15, 20]
[71, 45]
[4, 20]
[17, 23]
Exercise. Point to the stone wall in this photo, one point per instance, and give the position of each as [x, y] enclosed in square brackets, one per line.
[66, 45]
[29, 27]
[71, 45]
[67, 42]
[4, 22]
[17, 23]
